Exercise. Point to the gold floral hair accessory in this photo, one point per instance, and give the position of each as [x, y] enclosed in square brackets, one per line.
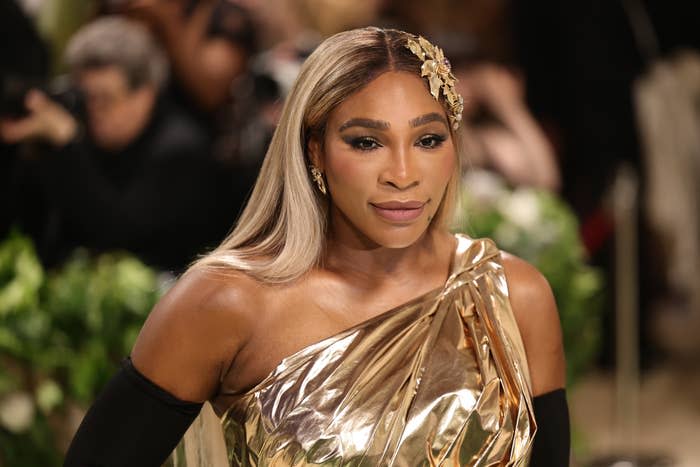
[439, 72]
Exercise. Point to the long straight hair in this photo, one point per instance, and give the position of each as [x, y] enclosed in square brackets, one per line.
[281, 233]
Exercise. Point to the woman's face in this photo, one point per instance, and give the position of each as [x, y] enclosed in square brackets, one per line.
[387, 156]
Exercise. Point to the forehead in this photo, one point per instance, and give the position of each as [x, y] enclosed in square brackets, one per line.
[106, 77]
[395, 97]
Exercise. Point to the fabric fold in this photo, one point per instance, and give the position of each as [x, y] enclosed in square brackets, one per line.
[441, 380]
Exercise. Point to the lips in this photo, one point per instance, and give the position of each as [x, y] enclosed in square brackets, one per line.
[399, 211]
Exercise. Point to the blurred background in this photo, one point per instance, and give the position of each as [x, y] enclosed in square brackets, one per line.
[131, 132]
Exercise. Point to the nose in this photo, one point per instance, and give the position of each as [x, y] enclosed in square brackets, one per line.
[400, 171]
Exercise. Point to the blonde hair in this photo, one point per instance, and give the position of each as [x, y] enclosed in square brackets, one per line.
[281, 233]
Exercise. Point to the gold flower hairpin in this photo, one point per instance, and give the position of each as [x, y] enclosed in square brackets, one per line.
[438, 70]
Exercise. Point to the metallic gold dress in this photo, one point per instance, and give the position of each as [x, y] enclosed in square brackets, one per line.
[440, 380]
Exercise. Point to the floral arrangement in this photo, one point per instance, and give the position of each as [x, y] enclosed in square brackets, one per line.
[62, 335]
[539, 227]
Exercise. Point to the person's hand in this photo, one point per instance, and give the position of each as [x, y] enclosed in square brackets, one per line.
[47, 121]
[493, 86]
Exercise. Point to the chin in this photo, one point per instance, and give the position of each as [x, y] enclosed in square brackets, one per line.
[398, 237]
[108, 143]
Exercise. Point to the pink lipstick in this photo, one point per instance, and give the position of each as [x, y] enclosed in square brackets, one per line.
[399, 211]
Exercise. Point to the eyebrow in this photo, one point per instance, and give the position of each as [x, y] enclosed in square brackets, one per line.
[365, 123]
[427, 118]
[382, 125]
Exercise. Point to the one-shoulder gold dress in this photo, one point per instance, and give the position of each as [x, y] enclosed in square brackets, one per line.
[441, 380]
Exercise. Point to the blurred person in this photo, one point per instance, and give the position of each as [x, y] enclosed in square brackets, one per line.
[341, 323]
[668, 117]
[208, 43]
[328, 17]
[24, 63]
[500, 132]
[466, 24]
[138, 177]
[285, 21]
[581, 59]
[289, 31]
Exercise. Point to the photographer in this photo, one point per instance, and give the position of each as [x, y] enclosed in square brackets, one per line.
[139, 177]
[25, 63]
[208, 43]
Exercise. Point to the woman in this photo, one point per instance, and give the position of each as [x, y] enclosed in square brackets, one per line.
[341, 323]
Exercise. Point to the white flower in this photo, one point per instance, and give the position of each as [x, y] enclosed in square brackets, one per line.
[506, 235]
[17, 412]
[484, 187]
[521, 208]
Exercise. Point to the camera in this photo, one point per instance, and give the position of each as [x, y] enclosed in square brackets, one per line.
[13, 92]
[14, 89]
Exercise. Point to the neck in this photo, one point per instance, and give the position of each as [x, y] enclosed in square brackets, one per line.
[367, 265]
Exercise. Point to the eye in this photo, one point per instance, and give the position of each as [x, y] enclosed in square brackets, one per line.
[364, 143]
[431, 141]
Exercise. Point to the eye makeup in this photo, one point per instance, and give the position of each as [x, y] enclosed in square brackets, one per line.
[361, 143]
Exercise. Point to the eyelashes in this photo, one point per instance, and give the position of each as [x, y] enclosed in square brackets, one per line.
[431, 141]
[362, 143]
[369, 143]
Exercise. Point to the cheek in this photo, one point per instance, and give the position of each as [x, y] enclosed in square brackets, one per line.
[447, 164]
[346, 171]
[105, 117]
[442, 169]
[128, 112]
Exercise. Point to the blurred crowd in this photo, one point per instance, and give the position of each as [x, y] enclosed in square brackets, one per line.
[150, 137]
[141, 124]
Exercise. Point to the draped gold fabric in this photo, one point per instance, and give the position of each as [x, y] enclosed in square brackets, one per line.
[439, 381]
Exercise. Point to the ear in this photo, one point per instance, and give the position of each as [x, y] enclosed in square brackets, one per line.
[315, 148]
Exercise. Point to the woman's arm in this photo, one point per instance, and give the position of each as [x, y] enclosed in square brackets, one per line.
[188, 340]
[132, 422]
[192, 335]
[538, 320]
[536, 313]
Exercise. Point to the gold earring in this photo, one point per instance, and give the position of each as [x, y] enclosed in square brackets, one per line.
[318, 178]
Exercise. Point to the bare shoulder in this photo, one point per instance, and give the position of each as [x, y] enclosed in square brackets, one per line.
[536, 313]
[527, 285]
[194, 332]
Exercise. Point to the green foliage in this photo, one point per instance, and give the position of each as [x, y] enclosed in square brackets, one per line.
[540, 228]
[33, 448]
[62, 335]
[21, 275]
